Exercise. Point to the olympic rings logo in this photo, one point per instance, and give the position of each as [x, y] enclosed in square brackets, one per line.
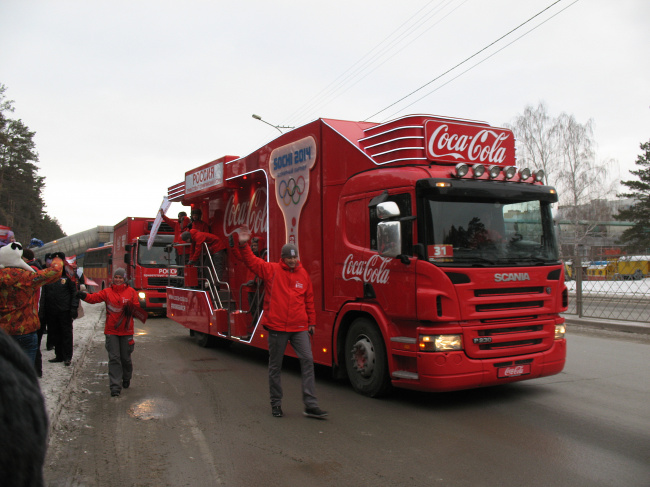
[291, 191]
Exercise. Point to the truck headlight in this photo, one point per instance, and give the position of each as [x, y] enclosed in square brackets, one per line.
[560, 330]
[142, 295]
[440, 343]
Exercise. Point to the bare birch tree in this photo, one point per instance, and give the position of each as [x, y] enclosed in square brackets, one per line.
[582, 182]
[537, 141]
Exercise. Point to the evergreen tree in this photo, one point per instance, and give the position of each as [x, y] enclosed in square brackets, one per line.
[21, 204]
[638, 236]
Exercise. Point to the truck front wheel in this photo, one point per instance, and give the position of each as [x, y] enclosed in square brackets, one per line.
[366, 360]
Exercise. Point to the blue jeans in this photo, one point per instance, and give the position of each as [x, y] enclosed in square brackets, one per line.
[29, 343]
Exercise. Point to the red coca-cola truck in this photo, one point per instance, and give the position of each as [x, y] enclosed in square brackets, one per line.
[432, 254]
[146, 267]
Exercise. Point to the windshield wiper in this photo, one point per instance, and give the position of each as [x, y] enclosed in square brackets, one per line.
[524, 259]
[476, 260]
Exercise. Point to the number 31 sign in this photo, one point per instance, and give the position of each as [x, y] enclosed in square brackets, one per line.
[440, 252]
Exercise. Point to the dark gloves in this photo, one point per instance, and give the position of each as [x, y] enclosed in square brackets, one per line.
[74, 312]
[81, 295]
[193, 262]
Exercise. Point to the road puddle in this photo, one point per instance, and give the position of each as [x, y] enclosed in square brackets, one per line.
[153, 408]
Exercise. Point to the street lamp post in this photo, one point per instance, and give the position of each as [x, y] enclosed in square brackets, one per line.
[277, 127]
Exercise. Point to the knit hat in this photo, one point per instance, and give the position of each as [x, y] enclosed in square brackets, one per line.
[289, 250]
[119, 272]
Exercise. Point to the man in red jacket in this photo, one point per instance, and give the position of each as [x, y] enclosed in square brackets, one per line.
[179, 226]
[121, 305]
[197, 221]
[289, 316]
[216, 246]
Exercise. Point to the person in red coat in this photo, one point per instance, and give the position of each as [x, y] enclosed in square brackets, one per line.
[181, 225]
[197, 221]
[289, 316]
[121, 305]
[216, 246]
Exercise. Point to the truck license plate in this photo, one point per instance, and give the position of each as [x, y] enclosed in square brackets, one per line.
[513, 371]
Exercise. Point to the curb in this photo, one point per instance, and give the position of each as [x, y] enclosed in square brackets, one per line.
[625, 327]
[67, 389]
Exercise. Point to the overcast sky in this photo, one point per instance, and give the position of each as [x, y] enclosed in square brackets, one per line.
[125, 96]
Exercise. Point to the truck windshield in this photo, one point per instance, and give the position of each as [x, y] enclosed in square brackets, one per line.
[469, 231]
[154, 257]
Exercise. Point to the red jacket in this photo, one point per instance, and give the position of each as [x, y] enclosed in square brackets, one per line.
[288, 296]
[200, 226]
[118, 299]
[178, 229]
[215, 244]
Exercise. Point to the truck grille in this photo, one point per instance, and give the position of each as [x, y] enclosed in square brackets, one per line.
[515, 305]
[517, 337]
[161, 282]
[505, 319]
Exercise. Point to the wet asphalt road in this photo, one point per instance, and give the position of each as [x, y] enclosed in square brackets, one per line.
[200, 417]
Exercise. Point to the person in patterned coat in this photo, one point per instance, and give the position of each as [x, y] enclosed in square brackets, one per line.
[18, 296]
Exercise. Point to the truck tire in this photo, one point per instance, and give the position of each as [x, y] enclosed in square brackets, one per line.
[204, 340]
[366, 360]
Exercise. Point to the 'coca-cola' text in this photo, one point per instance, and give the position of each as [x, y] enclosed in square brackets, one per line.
[374, 270]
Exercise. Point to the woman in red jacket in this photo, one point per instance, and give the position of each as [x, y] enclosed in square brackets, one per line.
[121, 303]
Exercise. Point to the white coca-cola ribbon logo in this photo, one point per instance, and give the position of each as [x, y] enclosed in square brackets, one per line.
[518, 370]
[373, 270]
[485, 146]
[250, 212]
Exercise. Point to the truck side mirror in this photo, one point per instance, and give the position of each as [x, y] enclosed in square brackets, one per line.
[388, 209]
[127, 258]
[128, 247]
[389, 239]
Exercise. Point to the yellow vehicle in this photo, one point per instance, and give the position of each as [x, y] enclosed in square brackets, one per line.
[632, 267]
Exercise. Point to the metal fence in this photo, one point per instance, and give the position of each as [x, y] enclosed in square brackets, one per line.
[610, 287]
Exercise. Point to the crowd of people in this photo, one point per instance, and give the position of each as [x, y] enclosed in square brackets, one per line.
[33, 296]
[37, 299]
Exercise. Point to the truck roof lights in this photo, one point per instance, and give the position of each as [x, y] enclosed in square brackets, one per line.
[539, 175]
[461, 170]
[524, 174]
[509, 172]
[494, 172]
[478, 169]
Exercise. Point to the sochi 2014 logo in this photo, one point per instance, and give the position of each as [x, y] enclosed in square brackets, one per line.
[290, 166]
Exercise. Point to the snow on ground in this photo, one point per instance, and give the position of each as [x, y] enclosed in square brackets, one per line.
[56, 376]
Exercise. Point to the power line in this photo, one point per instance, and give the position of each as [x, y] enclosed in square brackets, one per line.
[387, 59]
[480, 62]
[466, 60]
[399, 35]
